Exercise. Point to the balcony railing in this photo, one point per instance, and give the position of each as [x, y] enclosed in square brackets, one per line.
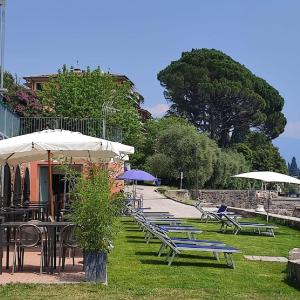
[92, 127]
[13, 125]
[9, 123]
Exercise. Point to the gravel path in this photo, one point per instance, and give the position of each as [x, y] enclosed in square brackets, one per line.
[158, 202]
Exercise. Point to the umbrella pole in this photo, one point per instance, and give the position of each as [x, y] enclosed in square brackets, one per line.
[268, 205]
[51, 200]
[65, 191]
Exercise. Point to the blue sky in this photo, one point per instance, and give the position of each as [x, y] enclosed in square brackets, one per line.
[139, 38]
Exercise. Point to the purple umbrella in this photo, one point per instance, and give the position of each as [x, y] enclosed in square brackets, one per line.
[137, 175]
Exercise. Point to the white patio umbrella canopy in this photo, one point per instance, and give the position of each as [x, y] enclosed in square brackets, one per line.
[268, 176]
[51, 144]
[35, 146]
[124, 151]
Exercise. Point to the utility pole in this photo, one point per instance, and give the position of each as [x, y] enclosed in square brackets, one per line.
[2, 89]
[2, 44]
[181, 178]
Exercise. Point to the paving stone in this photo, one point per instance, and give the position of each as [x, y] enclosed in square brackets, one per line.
[266, 258]
[294, 254]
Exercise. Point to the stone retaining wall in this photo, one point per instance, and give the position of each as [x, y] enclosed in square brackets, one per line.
[250, 199]
[180, 195]
[293, 267]
[296, 212]
[242, 199]
[237, 198]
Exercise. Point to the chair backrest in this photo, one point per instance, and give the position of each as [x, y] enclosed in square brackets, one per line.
[222, 208]
[163, 237]
[68, 236]
[158, 232]
[29, 235]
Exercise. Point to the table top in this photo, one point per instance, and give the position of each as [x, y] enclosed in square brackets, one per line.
[38, 224]
[18, 210]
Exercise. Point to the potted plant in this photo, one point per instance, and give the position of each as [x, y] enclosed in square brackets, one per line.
[96, 211]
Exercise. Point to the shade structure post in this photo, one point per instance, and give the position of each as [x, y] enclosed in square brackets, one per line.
[51, 200]
[269, 197]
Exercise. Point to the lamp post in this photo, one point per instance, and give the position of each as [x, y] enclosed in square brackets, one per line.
[181, 178]
[196, 162]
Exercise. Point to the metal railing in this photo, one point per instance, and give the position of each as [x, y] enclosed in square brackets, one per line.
[9, 123]
[92, 127]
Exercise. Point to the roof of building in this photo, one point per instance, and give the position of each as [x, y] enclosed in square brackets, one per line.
[45, 76]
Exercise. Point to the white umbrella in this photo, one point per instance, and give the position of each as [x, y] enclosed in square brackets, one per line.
[267, 176]
[124, 151]
[56, 143]
[35, 146]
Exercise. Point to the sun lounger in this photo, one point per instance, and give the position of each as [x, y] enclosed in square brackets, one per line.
[179, 247]
[211, 215]
[163, 221]
[189, 230]
[179, 244]
[260, 228]
[186, 229]
[155, 213]
[158, 232]
[204, 213]
[160, 219]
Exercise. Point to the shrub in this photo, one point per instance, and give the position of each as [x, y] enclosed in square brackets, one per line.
[96, 211]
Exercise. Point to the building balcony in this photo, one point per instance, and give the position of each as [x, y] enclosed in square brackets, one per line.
[9, 123]
[91, 127]
[13, 125]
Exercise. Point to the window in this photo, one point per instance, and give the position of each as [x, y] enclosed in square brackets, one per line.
[38, 86]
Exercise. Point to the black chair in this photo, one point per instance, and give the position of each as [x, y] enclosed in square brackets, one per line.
[67, 240]
[29, 236]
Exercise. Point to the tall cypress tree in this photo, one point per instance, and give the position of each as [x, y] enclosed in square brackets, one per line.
[293, 168]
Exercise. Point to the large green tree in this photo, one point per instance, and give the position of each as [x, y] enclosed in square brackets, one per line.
[221, 97]
[84, 94]
[261, 154]
[152, 129]
[229, 163]
[181, 148]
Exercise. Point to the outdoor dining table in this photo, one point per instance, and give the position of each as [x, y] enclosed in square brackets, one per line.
[51, 229]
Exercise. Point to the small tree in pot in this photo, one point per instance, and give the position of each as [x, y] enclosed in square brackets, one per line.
[96, 211]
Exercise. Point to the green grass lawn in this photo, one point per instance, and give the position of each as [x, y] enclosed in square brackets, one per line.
[135, 271]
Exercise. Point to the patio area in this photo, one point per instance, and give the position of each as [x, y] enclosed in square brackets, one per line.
[30, 273]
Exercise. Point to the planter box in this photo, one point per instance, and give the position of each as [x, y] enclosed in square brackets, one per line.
[95, 266]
